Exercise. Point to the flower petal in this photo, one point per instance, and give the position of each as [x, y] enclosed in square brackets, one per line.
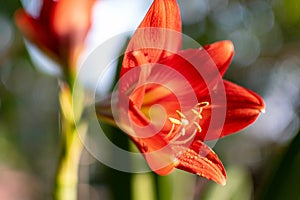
[198, 158]
[221, 53]
[203, 67]
[201, 160]
[163, 14]
[158, 33]
[36, 33]
[60, 29]
[163, 86]
[70, 22]
[72, 17]
[242, 108]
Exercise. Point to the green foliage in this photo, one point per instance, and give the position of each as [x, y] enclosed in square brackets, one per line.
[283, 183]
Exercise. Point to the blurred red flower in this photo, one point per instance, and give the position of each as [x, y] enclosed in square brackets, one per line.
[59, 30]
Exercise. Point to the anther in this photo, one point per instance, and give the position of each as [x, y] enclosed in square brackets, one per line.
[176, 141]
[198, 126]
[174, 121]
[180, 114]
[203, 104]
[197, 113]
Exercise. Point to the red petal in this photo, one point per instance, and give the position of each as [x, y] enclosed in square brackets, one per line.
[163, 14]
[201, 160]
[160, 31]
[60, 29]
[162, 161]
[148, 140]
[163, 86]
[46, 12]
[70, 23]
[37, 33]
[198, 158]
[221, 53]
[242, 108]
[72, 17]
[202, 67]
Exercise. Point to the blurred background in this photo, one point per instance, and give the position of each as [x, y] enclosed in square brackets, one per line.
[262, 161]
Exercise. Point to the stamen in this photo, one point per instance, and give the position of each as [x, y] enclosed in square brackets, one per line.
[186, 140]
[174, 140]
[174, 121]
[198, 126]
[171, 131]
[185, 125]
[197, 113]
[180, 114]
[182, 131]
[203, 104]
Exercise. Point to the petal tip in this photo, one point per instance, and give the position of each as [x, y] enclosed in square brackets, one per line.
[260, 103]
[221, 53]
[263, 106]
[222, 181]
[19, 16]
[227, 45]
[222, 46]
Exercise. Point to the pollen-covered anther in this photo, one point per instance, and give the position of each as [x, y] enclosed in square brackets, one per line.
[174, 121]
[182, 123]
[198, 113]
[198, 127]
[180, 114]
[199, 108]
[203, 104]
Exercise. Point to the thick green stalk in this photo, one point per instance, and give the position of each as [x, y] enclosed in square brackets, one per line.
[71, 147]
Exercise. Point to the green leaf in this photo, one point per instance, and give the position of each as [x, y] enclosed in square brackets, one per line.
[284, 183]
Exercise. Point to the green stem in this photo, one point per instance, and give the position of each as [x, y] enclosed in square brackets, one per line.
[71, 147]
[67, 176]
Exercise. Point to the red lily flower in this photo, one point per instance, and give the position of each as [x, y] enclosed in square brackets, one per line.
[171, 100]
[59, 30]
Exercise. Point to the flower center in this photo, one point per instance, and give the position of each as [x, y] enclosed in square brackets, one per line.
[177, 134]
